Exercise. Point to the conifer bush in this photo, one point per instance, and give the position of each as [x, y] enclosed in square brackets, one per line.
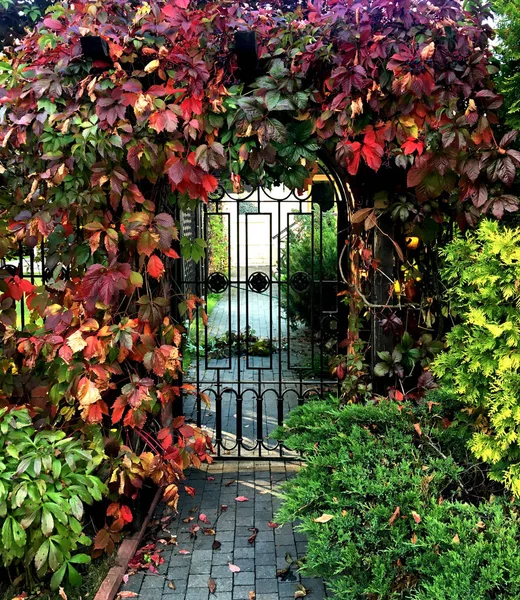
[482, 362]
[394, 507]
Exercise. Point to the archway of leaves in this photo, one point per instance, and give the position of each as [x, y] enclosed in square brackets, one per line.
[96, 152]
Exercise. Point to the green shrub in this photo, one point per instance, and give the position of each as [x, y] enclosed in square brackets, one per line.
[300, 258]
[45, 479]
[482, 363]
[396, 511]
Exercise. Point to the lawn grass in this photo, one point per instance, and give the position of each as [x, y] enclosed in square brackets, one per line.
[92, 578]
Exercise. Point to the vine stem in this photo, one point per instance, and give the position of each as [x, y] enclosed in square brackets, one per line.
[367, 303]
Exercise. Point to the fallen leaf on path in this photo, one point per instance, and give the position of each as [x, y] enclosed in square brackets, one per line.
[194, 509]
[212, 585]
[171, 585]
[208, 531]
[211, 479]
[193, 530]
[223, 507]
[204, 519]
[301, 591]
[216, 545]
[241, 499]
[184, 552]
[230, 482]
[127, 595]
[233, 568]
[325, 518]
[188, 519]
[252, 595]
[282, 573]
[125, 578]
[273, 525]
[252, 538]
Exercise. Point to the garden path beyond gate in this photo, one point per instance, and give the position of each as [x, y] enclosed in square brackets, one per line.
[271, 280]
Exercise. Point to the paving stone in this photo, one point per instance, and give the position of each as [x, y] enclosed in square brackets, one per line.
[152, 582]
[241, 592]
[134, 583]
[198, 581]
[244, 578]
[265, 558]
[265, 571]
[197, 593]
[267, 586]
[245, 564]
[267, 596]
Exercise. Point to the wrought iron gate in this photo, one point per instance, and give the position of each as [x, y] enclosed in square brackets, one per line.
[271, 281]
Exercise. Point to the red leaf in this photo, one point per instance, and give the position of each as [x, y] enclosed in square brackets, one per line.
[234, 568]
[416, 517]
[241, 499]
[53, 24]
[155, 267]
[126, 514]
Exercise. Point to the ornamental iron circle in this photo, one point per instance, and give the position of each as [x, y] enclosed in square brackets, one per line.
[218, 282]
[258, 282]
[300, 281]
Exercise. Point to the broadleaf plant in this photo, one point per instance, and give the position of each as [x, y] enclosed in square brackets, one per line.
[46, 478]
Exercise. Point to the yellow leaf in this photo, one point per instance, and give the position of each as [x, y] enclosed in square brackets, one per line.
[152, 66]
[88, 392]
[455, 539]
[76, 342]
[325, 518]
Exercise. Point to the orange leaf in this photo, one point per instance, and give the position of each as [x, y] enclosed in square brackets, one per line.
[155, 267]
[417, 428]
[394, 516]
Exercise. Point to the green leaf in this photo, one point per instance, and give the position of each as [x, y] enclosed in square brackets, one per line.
[75, 578]
[19, 535]
[80, 559]
[57, 578]
[55, 556]
[7, 533]
[42, 555]
[47, 522]
[77, 507]
[381, 369]
[82, 254]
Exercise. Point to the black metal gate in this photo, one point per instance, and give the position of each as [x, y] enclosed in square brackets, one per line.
[271, 281]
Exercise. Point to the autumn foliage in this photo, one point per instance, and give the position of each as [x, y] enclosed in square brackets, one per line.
[97, 154]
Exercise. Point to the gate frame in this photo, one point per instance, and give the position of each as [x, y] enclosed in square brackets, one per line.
[344, 201]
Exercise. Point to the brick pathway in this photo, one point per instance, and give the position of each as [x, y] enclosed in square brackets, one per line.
[260, 482]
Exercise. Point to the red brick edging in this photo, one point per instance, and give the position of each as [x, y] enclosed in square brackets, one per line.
[128, 548]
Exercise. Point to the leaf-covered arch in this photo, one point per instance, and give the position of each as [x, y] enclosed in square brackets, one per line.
[95, 149]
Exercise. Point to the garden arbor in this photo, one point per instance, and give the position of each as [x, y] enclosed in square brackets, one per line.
[99, 149]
